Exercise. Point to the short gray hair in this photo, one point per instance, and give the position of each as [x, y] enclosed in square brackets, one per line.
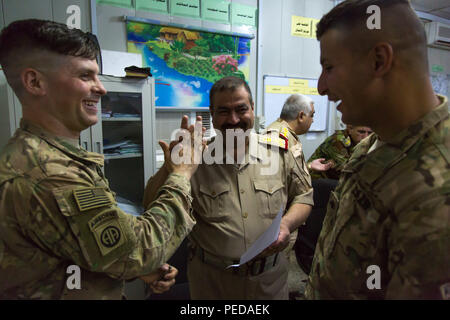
[295, 104]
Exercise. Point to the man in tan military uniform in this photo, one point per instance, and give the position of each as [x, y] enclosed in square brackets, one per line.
[386, 231]
[296, 118]
[234, 203]
[56, 208]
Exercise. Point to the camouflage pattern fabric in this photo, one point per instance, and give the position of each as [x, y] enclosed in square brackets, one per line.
[338, 148]
[391, 210]
[57, 210]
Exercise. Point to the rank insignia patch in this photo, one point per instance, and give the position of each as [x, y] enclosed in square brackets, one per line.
[91, 198]
[284, 133]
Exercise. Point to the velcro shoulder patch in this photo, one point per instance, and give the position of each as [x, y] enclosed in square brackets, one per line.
[107, 231]
[91, 198]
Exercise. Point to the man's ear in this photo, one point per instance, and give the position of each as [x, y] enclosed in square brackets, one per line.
[300, 116]
[383, 56]
[33, 82]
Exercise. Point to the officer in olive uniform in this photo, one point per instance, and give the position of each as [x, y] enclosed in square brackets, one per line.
[234, 203]
[56, 208]
[386, 231]
[336, 149]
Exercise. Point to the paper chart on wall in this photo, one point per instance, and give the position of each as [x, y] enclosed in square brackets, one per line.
[278, 88]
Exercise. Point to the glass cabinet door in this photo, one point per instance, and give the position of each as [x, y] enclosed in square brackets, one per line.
[122, 143]
[122, 136]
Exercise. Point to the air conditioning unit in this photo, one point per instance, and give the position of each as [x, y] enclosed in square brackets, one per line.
[438, 35]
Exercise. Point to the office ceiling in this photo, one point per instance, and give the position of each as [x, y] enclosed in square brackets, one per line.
[440, 8]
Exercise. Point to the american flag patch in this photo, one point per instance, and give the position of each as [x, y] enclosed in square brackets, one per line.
[91, 198]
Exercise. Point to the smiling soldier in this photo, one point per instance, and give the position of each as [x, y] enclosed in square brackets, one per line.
[391, 208]
[56, 208]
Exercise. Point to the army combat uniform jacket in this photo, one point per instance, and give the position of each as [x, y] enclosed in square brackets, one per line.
[56, 211]
[386, 233]
[338, 147]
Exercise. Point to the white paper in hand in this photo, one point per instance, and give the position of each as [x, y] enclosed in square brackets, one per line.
[266, 239]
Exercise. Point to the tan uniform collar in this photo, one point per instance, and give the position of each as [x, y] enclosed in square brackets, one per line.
[65, 145]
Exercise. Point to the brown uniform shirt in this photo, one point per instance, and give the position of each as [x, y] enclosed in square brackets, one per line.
[282, 128]
[295, 146]
[235, 203]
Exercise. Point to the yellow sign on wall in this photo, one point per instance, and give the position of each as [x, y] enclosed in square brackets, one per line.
[295, 86]
[298, 83]
[304, 27]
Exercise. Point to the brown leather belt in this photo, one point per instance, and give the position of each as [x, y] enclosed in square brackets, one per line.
[251, 268]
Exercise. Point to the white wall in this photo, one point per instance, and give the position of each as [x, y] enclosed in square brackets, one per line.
[280, 53]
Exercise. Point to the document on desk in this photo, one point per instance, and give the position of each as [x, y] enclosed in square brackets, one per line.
[266, 239]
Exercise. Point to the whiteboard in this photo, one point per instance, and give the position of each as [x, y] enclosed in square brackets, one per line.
[278, 88]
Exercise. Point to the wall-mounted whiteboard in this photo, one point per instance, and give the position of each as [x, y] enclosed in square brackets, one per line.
[278, 88]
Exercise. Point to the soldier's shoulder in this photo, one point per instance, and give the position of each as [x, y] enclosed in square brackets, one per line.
[28, 155]
[272, 138]
[440, 139]
[17, 155]
[342, 139]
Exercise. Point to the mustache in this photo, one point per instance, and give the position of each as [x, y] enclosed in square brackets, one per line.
[239, 125]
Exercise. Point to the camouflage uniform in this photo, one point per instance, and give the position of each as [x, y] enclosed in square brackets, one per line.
[56, 210]
[295, 146]
[391, 209]
[337, 147]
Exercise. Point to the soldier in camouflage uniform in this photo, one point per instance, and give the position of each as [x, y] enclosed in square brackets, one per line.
[386, 231]
[336, 149]
[56, 207]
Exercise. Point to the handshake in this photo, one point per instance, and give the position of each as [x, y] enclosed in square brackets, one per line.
[162, 279]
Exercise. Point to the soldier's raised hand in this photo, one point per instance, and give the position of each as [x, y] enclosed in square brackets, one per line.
[184, 155]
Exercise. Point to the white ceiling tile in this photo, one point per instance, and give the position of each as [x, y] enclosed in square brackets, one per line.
[441, 13]
[429, 5]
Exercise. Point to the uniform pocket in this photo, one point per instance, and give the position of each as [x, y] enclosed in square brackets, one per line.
[212, 201]
[270, 196]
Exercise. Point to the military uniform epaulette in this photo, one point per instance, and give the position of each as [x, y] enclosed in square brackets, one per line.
[346, 141]
[273, 140]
